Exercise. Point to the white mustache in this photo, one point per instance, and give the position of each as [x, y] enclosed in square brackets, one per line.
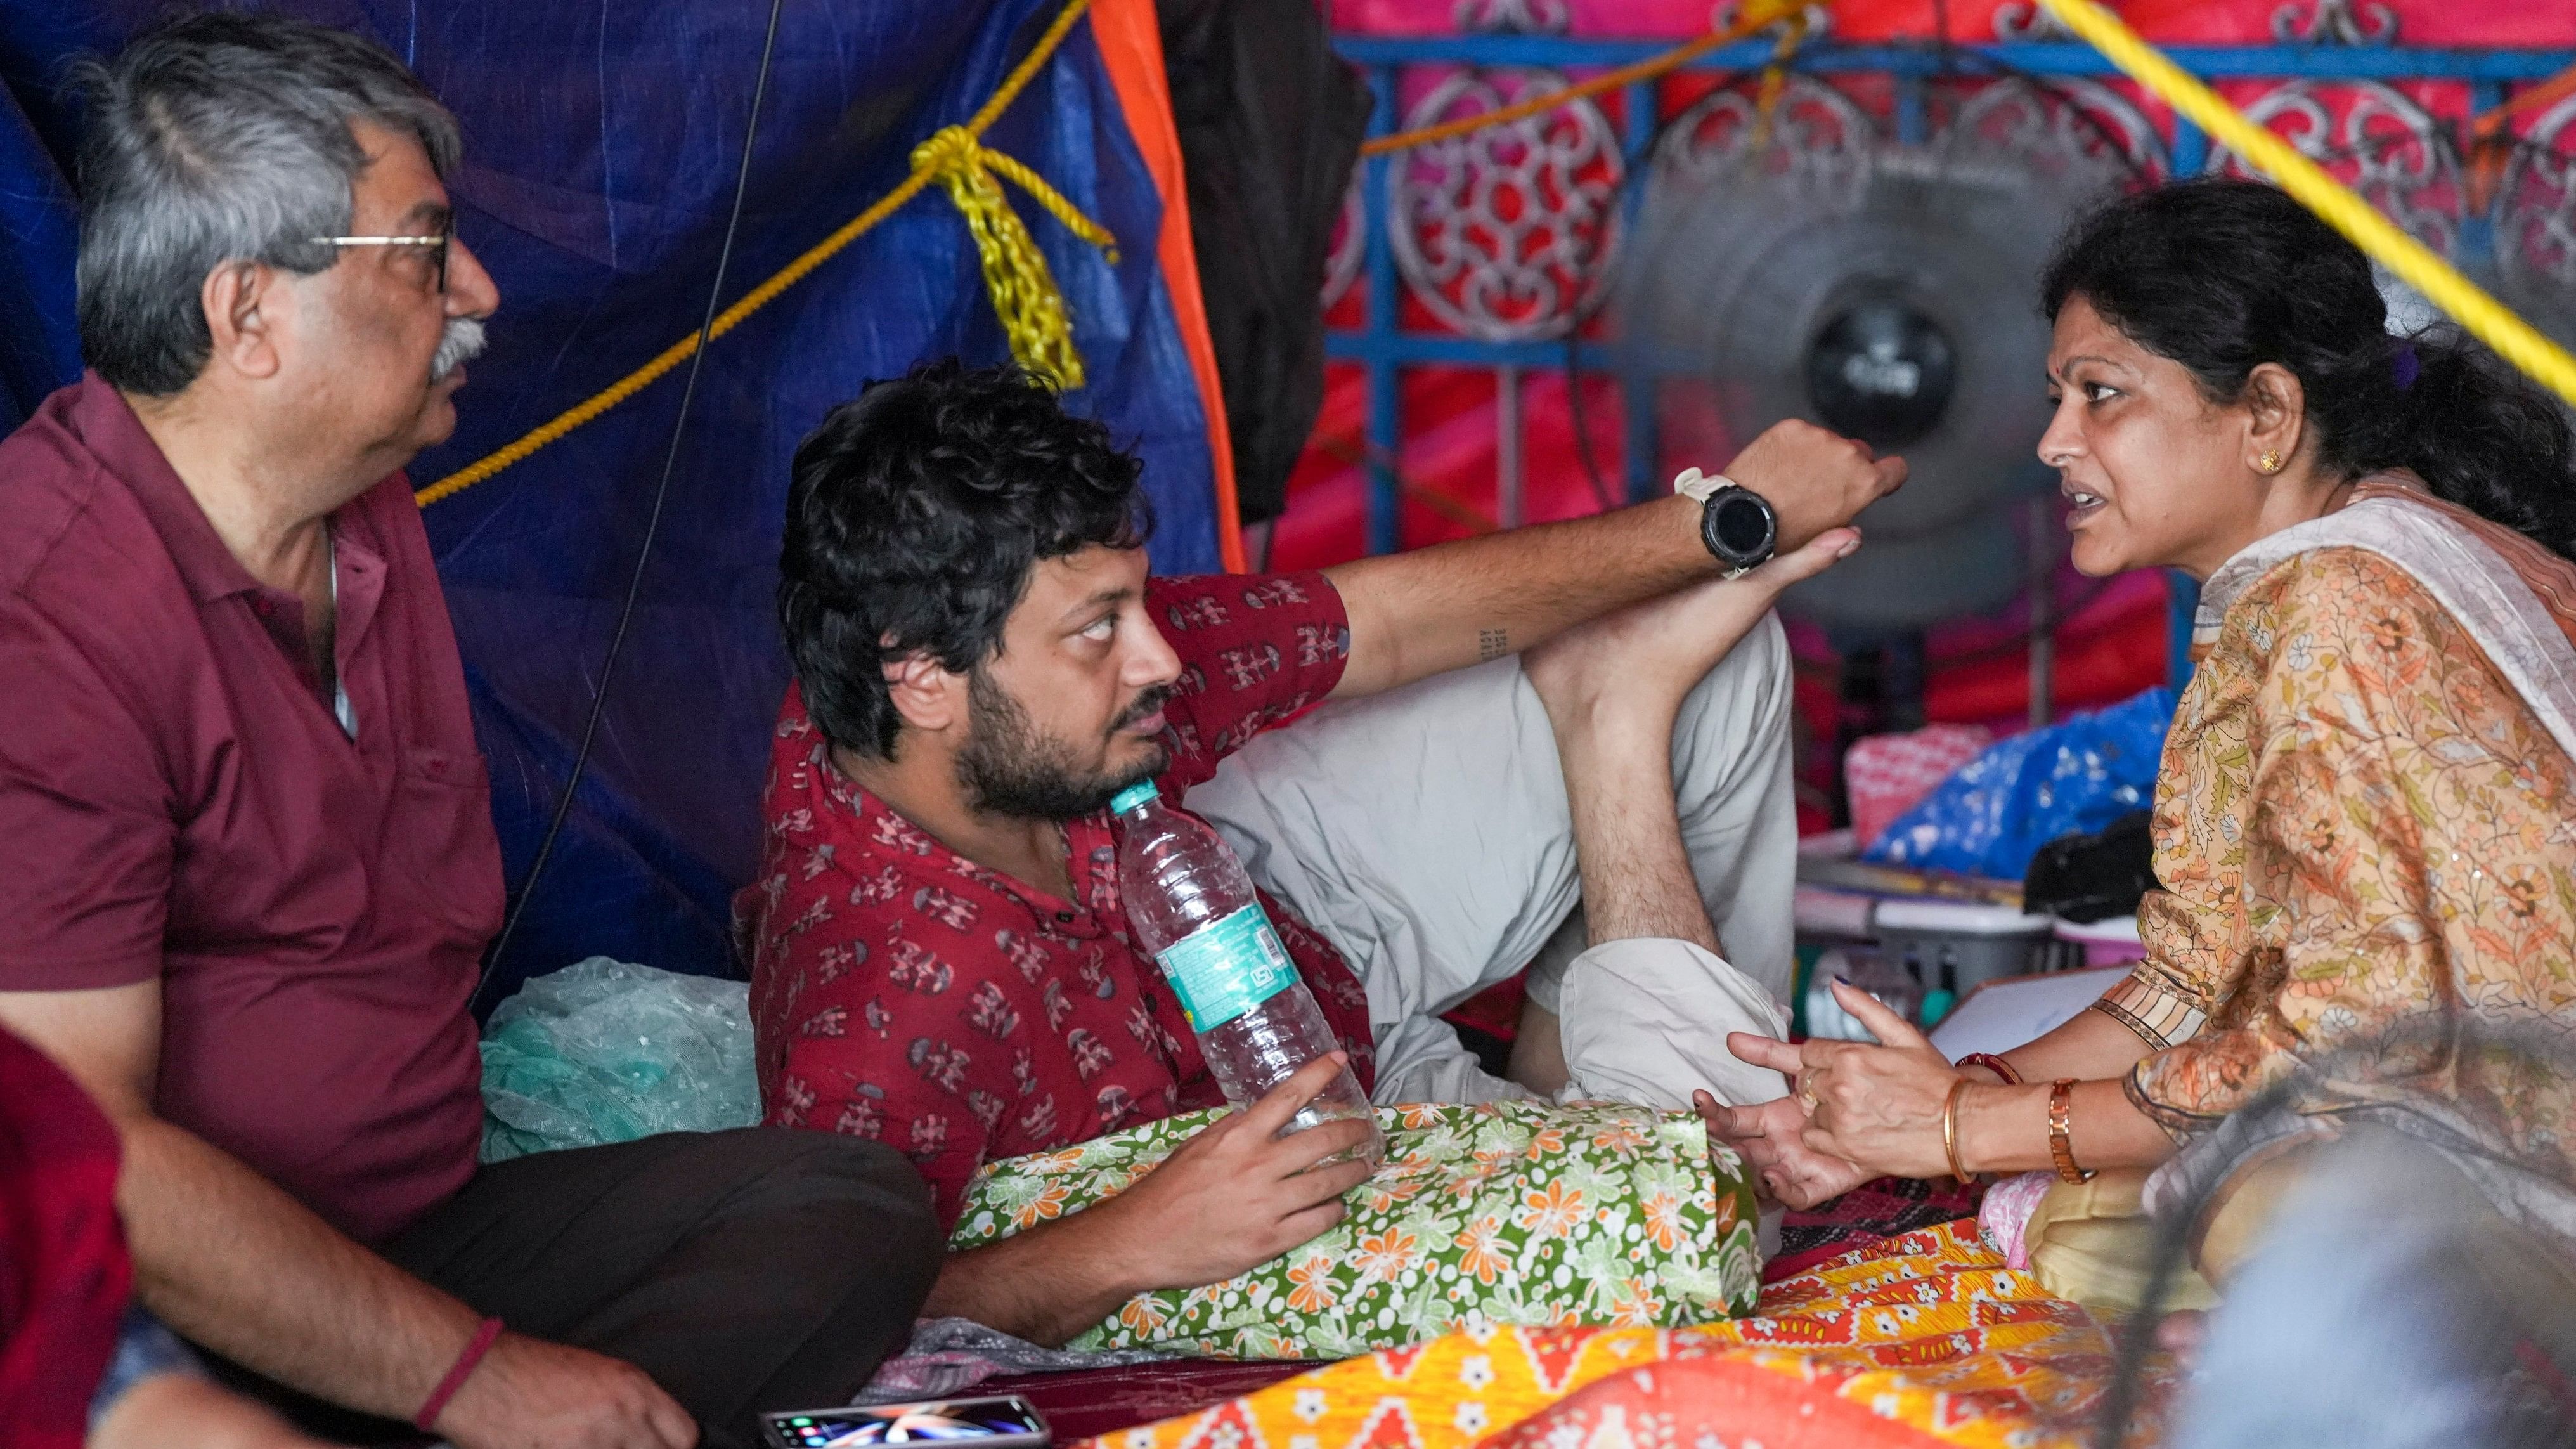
[460, 343]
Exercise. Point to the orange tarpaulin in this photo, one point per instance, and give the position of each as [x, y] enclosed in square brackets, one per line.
[1131, 47]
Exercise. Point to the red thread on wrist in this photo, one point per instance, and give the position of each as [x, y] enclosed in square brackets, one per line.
[426, 1421]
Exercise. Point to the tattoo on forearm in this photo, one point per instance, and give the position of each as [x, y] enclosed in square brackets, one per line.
[1492, 643]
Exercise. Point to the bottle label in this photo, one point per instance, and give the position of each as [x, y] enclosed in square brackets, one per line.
[1222, 970]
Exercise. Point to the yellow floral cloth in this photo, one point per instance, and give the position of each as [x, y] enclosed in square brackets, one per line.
[1929, 1335]
[2358, 818]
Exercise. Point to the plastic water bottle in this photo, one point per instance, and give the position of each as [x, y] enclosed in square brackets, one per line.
[1191, 904]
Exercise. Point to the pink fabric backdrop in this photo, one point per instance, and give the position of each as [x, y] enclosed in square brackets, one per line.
[2113, 644]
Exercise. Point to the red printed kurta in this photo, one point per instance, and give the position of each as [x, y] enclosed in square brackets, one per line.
[902, 992]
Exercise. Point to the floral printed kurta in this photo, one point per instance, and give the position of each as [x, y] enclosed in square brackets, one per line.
[2358, 818]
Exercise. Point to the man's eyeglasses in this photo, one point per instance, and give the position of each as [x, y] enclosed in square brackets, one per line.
[437, 244]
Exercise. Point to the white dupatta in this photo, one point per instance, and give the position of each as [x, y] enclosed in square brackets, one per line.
[2472, 582]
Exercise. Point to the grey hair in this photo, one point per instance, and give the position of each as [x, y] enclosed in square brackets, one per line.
[215, 139]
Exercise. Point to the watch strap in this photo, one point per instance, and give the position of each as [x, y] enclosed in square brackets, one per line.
[1697, 486]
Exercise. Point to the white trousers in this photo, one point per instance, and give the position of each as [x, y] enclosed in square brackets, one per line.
[1425, 832]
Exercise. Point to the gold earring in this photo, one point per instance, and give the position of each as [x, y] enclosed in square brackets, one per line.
[2270, 462]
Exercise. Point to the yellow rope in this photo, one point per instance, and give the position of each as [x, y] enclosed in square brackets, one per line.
[1015, 271]
[1775, 76]
[1757, 15]
[2483, 316]
[1022, 287]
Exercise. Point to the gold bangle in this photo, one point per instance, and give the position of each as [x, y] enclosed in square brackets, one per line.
[2061, 1147]
[1950, 1130]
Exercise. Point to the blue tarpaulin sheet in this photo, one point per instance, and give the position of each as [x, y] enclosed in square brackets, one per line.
[601, 147]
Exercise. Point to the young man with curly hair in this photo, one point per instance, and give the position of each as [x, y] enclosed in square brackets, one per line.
[1500, 728]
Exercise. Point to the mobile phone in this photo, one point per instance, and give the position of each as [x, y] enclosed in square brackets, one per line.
[991, 1423]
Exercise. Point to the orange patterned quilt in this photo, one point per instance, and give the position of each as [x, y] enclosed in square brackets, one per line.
[1922, 1340]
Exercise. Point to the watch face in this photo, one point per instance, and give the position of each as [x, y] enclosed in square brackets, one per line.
[1742, 527]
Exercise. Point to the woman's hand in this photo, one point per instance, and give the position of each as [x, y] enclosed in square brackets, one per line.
[1875, 1107]
[1767, 1135]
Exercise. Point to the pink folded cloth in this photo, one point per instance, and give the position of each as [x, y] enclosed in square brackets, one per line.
[2003, 1219]
[1887, 775]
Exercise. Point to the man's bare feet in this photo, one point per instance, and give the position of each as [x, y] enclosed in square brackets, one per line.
[1639, 662]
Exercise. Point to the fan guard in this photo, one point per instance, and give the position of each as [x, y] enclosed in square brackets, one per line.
[1893, 301]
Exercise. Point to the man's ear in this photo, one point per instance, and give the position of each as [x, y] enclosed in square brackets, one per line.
[928, 695]
[244, 304]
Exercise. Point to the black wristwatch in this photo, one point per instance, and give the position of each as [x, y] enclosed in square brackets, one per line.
[1737, 524]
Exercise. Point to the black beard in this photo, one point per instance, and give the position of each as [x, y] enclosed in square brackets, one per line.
[1009, 768]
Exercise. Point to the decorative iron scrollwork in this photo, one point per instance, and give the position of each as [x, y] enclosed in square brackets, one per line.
[1817, 133]
[1507, 233]
[2535, 222]
[1820, 21]
[2028, 21]
[1513, 17]
[2060, 128]
[1350, 241]
[2334, 22]
[2385, 147]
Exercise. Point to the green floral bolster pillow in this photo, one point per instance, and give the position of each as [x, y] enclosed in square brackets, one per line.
[1494, 1213]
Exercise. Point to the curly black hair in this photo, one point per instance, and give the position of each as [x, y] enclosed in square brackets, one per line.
[2223, 275]
[914, 517]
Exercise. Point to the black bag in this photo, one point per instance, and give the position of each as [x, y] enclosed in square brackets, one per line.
[1270, 123]
[2083, 878]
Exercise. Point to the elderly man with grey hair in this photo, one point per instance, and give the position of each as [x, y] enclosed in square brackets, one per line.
[251, 859]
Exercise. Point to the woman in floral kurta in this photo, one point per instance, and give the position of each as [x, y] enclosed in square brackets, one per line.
[2358, 818]
[2366, 817]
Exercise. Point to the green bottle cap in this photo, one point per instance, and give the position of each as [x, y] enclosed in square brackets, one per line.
[1134, 797]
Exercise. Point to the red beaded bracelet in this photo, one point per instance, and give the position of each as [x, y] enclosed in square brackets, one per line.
[426, 1421]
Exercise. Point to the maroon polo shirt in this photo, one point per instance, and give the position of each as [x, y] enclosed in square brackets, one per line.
[178, 802]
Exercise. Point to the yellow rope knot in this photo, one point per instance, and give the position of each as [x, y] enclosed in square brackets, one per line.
[816, 255]
[1015, 271]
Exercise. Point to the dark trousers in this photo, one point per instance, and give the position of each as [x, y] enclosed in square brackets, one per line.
[746, 1272]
